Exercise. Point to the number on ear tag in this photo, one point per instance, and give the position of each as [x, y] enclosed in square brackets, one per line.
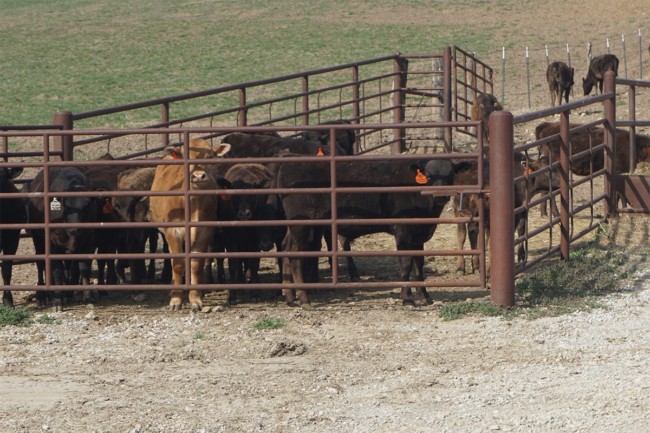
[55, 205]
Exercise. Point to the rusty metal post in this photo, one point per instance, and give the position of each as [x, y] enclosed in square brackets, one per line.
[243, 113]
[63, 143]
[502, 204]
[610, 139]
[5, 148]
[565, 144]
[334, 209]
[398, 96]
[164, 117]
[355, 104]
[446, 59]
[632, 117]
[305, 100]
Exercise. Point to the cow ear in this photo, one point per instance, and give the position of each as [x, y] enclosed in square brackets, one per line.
[172, 151]
[265, 183]
[462, 166]
[14, 172]
[572, 71]
[418, 165]
[223, 182]
[221, 149]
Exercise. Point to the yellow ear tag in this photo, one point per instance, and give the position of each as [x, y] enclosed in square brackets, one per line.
[320, 152]
[420, 178]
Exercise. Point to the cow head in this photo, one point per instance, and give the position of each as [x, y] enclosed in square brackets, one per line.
[75, 210]
[7, 174]
[200, 177]
[439, 172]
[587, 85]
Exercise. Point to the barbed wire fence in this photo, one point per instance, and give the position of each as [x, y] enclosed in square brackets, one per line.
[520, 72]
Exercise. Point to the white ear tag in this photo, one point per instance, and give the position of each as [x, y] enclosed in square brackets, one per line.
[55, 205]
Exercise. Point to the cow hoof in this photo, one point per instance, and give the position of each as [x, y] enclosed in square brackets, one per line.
[40, 303]
[174, 307]
[57, 308]
[355, 279]
[306, 306]
[292, 304]
[429, 301]
[408, 303]
[90, 306]
[196, 308]
[460, 272]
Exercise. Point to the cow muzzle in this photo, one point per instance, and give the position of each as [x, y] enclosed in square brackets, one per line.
[199, 177]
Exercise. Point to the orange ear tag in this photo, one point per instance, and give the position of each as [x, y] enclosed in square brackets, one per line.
[175, 156]
[420, 178]
[108, 208]
[320, 152]
[226, 196]
[528, 170]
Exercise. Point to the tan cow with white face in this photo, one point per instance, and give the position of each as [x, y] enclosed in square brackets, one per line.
[172, 209]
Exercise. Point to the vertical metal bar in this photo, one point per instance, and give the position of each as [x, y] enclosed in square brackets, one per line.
[528, 76]
[46, 210]
[548, 62]
[398, 137]
[448, 71]
[564, 185]
[334, 208]
[305, 100]
[5, 148]
[610, 139]
[624, 55]
[481, 207]
[355, 103]
[188, 208]
[164, 117]
[640, 57]
[502, 202]
[608, 46]
[503, 77]
[63, 143]
[632, 117]
[243, 113]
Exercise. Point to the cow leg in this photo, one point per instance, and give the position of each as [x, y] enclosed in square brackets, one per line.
[353, 272]
[153, 248]
[57, 274]
[473, 243]
[252, 271]
[198, 272]
[178, 266]
[404, 242]
[39, 248]
[166, 275]
[552, 98]
[84, 270]
[7, 298]
[556, 212]
[295, 264]
[520, 221]
[461, 234]
[418, 262]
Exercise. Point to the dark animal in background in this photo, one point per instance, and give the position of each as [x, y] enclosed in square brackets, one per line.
[344, 138]
[597, 68]
[367, 205]
[580, 142]
[71, 210]
[12, 211]
[484, 105]
[560, 81]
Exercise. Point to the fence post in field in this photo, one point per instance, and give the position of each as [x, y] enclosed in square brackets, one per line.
[608, 46]
[610, 139]
[632, 117]
[355, 104]
[438, 81]
[640, 58]
[528, 76]
[305, 100]
[446, 59]
[502, 203]
[624, 55]
[63, 143]
[164, 118]
[548, 62]
[565, 144]
[503, 77]
[400, 69]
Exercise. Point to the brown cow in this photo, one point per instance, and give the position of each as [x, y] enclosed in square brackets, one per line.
[560, 81]
[580, 142]
[483, 106]
[172, 209]
[470, 207]
[597, 68]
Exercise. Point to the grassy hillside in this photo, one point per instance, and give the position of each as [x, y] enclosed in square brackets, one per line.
[80, 55]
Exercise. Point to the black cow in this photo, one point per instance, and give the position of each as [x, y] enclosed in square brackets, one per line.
[369, 205]
[74, 240]
[12, 211]
[597, 68]
[560, 81]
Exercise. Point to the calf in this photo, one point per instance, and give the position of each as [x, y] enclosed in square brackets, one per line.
[71, 210]
[12, 211]
[136, 209]
[559, 77]
[484, 105]
[597, 68]
[369, 205]
[345, 138]
[469, 207]
[580, 142]
[172, 209]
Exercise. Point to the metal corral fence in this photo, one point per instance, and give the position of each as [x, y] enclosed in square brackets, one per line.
[47, 162]
[633, 189]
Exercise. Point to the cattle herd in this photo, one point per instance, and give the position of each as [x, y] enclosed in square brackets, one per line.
[221, 206]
